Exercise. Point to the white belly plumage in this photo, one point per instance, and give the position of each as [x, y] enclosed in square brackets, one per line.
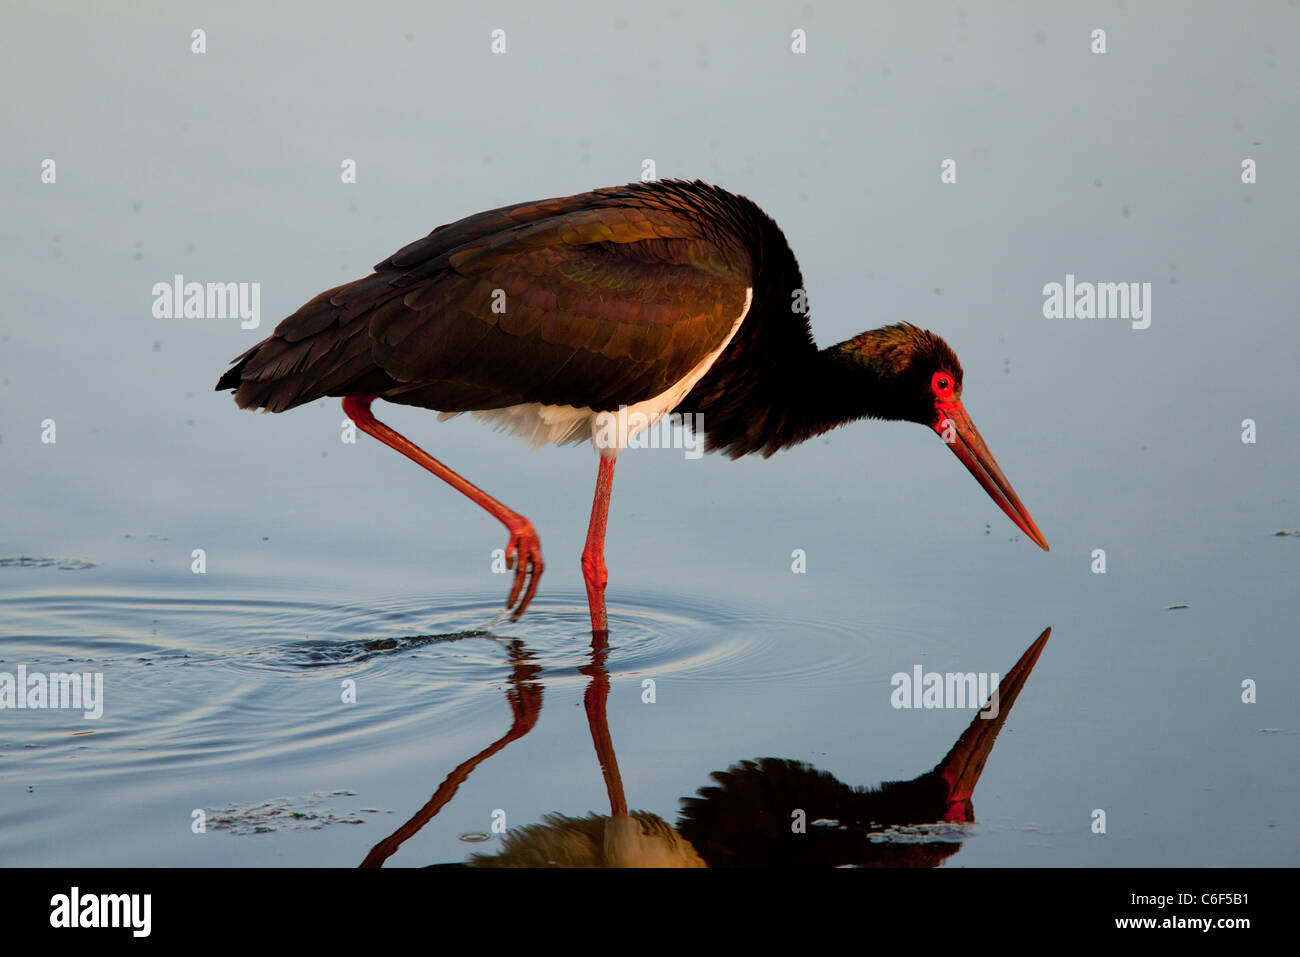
[540, 424]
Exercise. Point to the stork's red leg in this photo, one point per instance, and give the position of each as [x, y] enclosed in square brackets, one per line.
[594, 700]
[523, 551]
[593, 556]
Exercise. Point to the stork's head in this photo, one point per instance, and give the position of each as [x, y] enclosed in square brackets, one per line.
[922, 381]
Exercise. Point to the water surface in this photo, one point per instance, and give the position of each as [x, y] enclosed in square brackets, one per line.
[335, 569]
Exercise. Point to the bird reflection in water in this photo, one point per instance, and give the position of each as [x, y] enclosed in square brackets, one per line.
[524, 694]
[745, 820]
[769, 812]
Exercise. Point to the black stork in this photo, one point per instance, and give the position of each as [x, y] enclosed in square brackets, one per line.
[591, 316]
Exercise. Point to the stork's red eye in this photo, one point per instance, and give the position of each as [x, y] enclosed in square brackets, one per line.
[942, 385]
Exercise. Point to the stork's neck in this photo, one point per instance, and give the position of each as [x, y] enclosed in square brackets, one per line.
[836, 385]
[770, 398]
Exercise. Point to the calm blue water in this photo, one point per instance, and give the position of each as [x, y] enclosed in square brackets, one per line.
[338, 570]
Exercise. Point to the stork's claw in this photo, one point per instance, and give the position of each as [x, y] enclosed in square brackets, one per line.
[524, 555]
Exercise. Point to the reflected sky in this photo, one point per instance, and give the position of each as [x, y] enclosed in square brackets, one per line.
[1116, 167]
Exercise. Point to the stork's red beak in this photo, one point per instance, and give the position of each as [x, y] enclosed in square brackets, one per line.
[964, 764]
[955, 427]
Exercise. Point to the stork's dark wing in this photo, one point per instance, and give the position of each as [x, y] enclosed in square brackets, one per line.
[595, 300]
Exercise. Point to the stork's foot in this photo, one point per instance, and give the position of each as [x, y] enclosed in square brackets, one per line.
[524, 555]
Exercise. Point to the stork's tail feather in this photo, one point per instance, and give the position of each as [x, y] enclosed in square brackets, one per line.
[321, 350]
[232, 377]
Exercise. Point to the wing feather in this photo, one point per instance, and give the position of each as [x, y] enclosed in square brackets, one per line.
[596, 300]
[609, 315]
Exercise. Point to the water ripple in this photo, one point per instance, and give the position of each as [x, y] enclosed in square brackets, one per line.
[201, 681]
